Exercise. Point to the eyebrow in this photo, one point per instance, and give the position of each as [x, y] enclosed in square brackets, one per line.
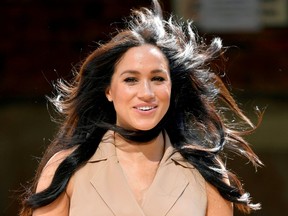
[137, 72]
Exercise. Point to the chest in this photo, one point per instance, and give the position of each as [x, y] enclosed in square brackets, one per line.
[139, 178]
[104, 188]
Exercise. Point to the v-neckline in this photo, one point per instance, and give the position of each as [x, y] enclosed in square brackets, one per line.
[110, 182]
[131, 187]
[144, 195]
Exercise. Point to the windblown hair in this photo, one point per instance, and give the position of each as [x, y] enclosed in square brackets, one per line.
[196, 121]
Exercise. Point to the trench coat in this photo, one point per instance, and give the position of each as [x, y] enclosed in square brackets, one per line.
[100, 187]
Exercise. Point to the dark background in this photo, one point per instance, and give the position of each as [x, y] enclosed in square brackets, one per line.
[41, 41]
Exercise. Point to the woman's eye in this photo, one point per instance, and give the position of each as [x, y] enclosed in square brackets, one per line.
[159, 79]
[130, 80]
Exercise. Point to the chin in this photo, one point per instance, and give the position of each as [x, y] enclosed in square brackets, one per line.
[144, 127]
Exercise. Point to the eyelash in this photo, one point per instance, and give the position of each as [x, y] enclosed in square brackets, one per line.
[130, 79]
[158, 79]
[133, 79]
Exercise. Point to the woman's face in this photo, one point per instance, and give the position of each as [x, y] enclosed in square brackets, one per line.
[140, 88]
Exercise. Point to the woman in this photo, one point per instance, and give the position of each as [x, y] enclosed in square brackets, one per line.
[143, 131]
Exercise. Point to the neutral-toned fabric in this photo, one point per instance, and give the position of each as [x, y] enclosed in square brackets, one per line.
[101, 189]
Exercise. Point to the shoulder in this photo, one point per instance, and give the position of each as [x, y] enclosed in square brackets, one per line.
[216, 204]
[50, 168]
[60, 206]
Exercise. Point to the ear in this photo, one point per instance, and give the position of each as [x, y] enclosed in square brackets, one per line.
[108, 94]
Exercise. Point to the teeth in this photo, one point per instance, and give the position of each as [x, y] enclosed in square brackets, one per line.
[145, 108]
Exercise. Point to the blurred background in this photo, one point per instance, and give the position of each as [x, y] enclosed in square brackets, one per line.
[41, 41]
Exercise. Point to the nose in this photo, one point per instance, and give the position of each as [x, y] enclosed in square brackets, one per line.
[146, 91]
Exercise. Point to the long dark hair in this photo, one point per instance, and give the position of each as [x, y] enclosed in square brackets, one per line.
[195, 122]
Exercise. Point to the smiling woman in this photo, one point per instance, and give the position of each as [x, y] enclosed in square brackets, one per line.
[140, 88]
[143, 130]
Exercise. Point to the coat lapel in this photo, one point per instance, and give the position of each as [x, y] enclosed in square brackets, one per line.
[110, 182]
[168, 185]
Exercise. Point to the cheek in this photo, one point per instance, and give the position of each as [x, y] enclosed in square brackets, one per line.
[165, 93]
[120, 94]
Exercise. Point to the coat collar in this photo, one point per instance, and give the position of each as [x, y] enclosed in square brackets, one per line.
[106, 149]
[110, 182]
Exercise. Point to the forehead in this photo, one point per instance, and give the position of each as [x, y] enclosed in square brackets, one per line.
[143, 56]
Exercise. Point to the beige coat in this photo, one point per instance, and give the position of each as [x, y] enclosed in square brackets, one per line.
[100, 187]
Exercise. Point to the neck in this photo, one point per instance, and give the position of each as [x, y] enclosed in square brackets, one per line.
[136, 152]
